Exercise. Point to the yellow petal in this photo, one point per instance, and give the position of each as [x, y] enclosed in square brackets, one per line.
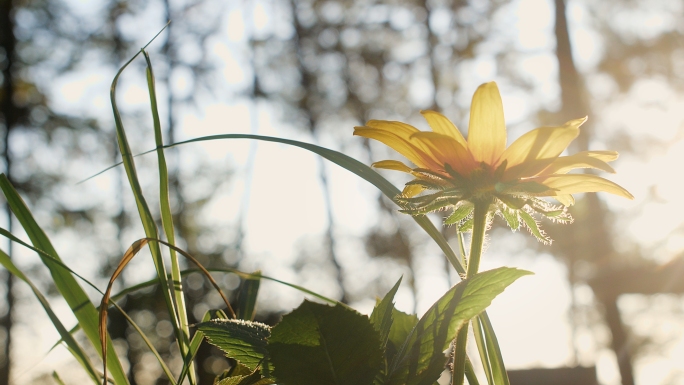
[400, 129]
[412, 190]
[393, 165]
[487, 127]
[584, 159]
[579, 183]
[447, 151]
[442, 125]
[565, 200]
[537, 149]
[402, 146]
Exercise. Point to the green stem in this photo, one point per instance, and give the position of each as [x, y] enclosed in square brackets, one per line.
[458, 373]
[476, 245]
[477, 241]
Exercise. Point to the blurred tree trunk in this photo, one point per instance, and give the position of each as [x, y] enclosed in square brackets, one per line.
[308, 83]
[8, 110]
[589, 238]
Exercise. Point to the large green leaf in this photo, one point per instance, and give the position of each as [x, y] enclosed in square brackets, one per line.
[318, 344]
[66, 284]
[421, 358]
[402, 325]
[243, 341]
[381, 317]
[196, 341]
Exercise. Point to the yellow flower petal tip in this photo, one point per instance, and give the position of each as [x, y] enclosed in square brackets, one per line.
[460, 172]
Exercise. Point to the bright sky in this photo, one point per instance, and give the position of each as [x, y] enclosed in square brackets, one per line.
[285, 201]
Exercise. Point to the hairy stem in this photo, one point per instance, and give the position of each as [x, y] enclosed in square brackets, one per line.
[476, 245]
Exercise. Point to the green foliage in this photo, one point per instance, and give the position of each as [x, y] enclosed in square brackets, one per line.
[421, 358]
[71, 343]
[246, 306]
[66, 284]
[381, 318]
[244, 341]
[315, 343]
[319, 344]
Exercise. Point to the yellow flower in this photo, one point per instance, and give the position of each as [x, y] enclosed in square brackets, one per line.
[482, 169]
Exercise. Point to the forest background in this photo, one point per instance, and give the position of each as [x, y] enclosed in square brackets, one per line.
[607, 292]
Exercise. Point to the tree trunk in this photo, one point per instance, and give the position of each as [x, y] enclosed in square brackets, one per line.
[8, 111]
[591, 227]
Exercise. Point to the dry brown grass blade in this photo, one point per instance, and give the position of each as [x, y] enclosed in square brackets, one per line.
[128, 256]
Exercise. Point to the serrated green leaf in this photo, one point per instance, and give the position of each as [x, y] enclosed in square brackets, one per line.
[534, 227]
[459, 214]
[230, 380]
[421, 358]
[244, 341]
[319, 344]
[466, 226]
[434, 205]
[514, 203]
[196, 341]
[243, 376]
[399, 332]
[381, 317]
[511, 217]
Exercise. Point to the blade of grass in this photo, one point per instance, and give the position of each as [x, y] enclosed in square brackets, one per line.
[77, 327]
[195, 343]
[57, 379]
[346, 162]
[146, 218]
[482, 349]
[111, 301]
[74, 347]
[167, 219]
[247, 297]
[385, 187]
[470, 373]
[149, 344]
[128, 256]
[66, 284]
[494, 352]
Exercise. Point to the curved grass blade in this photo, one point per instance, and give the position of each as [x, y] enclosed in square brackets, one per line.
[77, 327]
[66, 284]
[167, 219]
[71, 343]
[382, 184]
[494, 352]
[482, 349]
[57, 379]
[128, 256]
[243, 275]
[348, 163]
[247, 297]
[146, 218]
